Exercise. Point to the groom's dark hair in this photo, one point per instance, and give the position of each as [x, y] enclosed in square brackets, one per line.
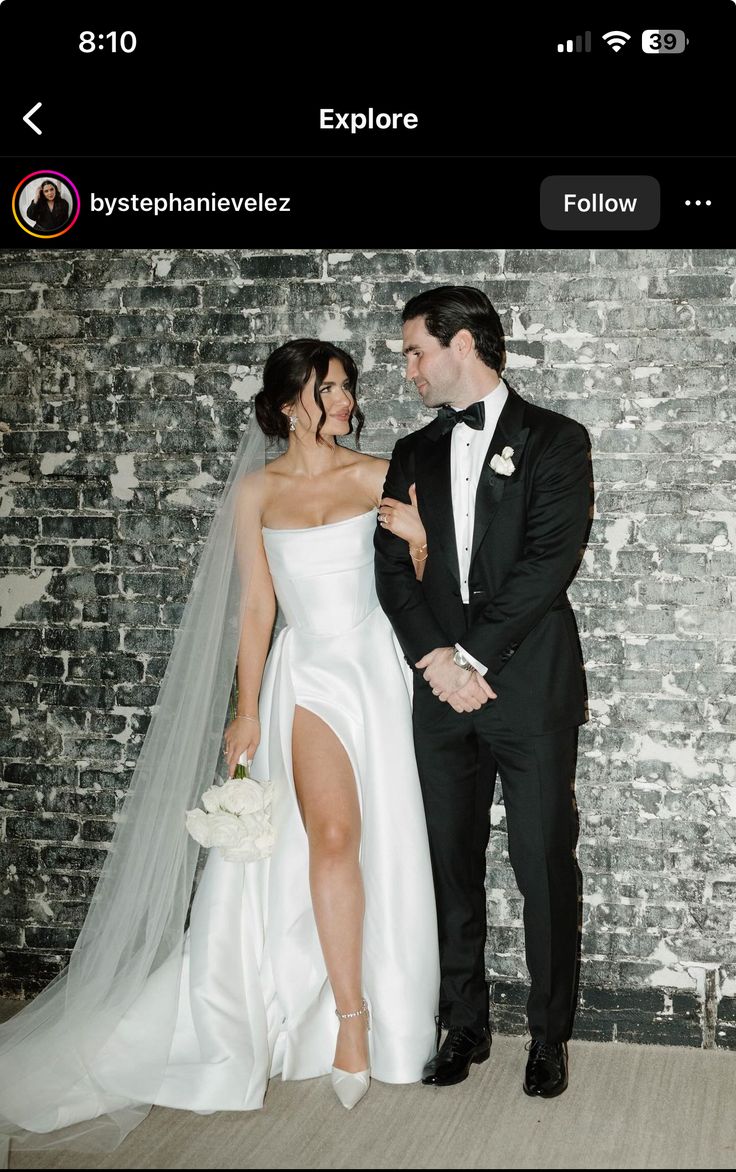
[461, 307]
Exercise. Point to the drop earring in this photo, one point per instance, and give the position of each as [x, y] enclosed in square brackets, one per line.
[292, 423]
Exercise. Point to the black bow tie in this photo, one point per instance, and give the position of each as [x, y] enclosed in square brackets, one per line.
[474, 416]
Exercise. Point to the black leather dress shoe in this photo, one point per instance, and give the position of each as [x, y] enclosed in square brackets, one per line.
[546, 1069]
[455, 1056]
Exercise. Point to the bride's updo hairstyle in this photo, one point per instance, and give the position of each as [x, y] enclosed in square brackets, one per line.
[285, 375]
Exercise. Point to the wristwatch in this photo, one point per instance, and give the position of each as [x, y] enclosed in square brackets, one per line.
[460, 660]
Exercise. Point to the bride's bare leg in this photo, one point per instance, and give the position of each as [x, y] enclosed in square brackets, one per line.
[328, 798]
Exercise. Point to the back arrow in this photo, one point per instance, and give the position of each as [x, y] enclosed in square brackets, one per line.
[27, 117]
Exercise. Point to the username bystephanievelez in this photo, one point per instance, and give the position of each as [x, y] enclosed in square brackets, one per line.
[162, 204]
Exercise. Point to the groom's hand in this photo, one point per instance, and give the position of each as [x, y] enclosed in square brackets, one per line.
[472, 696]
[448, 681]
[440, 672]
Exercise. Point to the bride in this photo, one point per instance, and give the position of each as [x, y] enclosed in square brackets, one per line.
[321, 959]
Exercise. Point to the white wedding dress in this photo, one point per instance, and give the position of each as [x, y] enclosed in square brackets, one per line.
[254, 998]
[256, 1001]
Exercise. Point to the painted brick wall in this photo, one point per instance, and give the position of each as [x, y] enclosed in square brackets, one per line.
[124, 381]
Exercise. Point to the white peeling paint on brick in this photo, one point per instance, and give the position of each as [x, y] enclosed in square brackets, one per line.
[246, 387]
[332, 328]
[124, 480]
[18, 590]
[617, 534]
[519, 361]
[52, 462]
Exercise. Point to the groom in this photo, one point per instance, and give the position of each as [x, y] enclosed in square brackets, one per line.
[504, 491]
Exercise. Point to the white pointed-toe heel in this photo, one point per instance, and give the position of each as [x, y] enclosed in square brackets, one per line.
[351, 1086]
[348, 1087]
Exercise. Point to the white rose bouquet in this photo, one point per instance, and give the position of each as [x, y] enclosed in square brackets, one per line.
[236, 818]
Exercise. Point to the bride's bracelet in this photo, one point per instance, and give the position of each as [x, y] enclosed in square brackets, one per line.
[244, 716]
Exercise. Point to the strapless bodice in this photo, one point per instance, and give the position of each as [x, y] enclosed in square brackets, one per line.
[323, 576]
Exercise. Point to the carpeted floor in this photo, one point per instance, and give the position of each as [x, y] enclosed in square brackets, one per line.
[626, 1107]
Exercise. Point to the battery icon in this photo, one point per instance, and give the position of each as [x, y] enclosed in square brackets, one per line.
[663, 40]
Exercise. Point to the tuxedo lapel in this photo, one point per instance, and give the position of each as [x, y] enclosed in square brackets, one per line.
[434, 490]
[492, 485]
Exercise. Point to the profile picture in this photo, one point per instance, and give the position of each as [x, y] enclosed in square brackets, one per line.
[46, 203]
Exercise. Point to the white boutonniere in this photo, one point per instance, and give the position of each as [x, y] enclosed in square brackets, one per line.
[503, 464]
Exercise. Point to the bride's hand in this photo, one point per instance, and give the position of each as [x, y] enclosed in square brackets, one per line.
[403, 520]
[242, 735]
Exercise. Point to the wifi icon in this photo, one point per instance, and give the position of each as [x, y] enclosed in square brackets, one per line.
[616, 40]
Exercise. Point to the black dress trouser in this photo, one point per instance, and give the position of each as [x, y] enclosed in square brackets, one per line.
[459, 756]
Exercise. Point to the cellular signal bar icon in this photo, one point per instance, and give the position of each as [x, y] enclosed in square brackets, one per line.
[575, 47]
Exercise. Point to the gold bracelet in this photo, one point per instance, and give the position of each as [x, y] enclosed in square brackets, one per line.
[417, 547]
[244, 716]
[416, 559]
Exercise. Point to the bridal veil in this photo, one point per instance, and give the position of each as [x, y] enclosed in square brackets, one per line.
[52, 1053]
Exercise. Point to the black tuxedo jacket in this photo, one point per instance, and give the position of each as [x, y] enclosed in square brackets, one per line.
[529, 534]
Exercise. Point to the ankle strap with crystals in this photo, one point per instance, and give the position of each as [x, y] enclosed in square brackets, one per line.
[362, 1012]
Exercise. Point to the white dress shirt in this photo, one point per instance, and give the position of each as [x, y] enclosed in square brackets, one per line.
[467, 453]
